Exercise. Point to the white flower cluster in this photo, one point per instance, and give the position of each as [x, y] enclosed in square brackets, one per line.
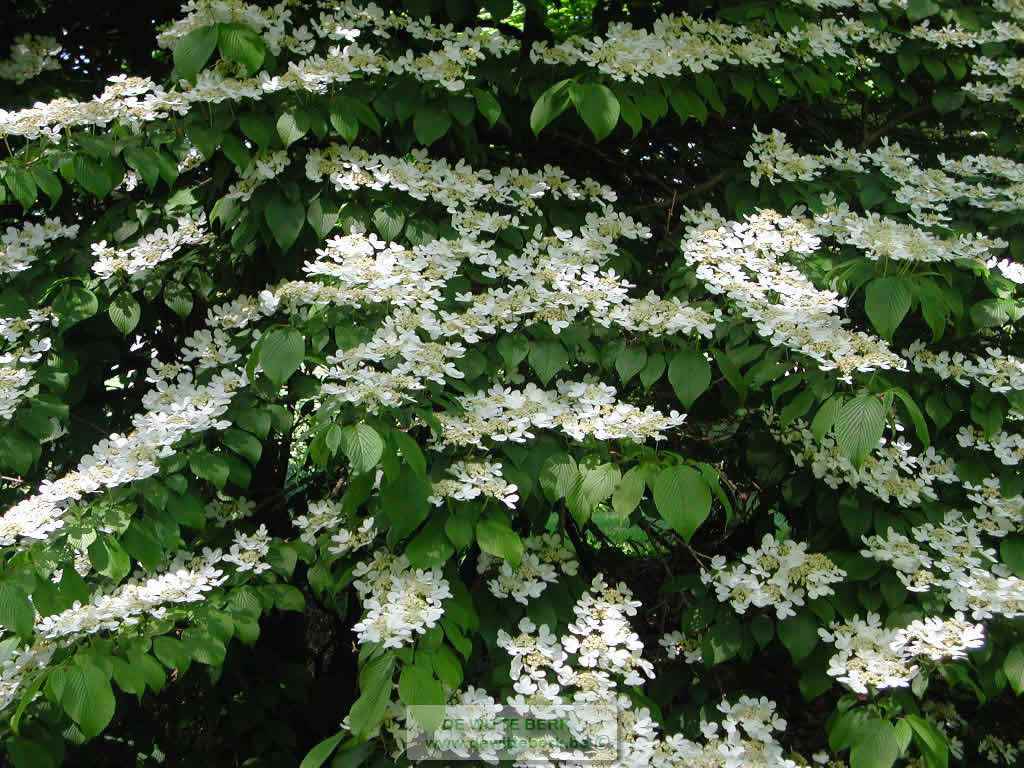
[543, 557]
[346, 541]
[1008, 448]
[187, 580]
[892, 472]
[928, 192]
[599, 649]
[676, 45]
[597, 655]
[676, 645]
[372, 271]
[399, 601]
[744, 739]
[952, 558]
[224, 511]
[328, 516]
[880, 237]
[743, 261]
[865, 658]
[176, 408]
[473, 479]
[580, 409]
[24, 344]
[16, 662]
[999, 751]
[997, 371]
[137, 100]
[20, 247]
[150, 250]
[30, 55]
[873, 658]
[324, 515]
[248, 550]
[938, 639]
[780, 574]
[272, 23]
[261, 169]
[1008, 74]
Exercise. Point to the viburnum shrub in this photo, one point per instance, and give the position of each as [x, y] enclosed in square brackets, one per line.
[656, 355]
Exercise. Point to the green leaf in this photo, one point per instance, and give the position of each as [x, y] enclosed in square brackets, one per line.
[204, 138]
[550, 105]
[859, 427]
[22, 186]
[178, 298]
[683, 499]
[124, 312]
[244, 444]
[375, 694]
[292, 126]
[344, 119]
[1013, 668]
[285, 219]
[430, 123]
[513, 350]
[318, 755]
[203, 647]
[558, 476]
[727, 365]
[688, 104]
[92, 176]
[916, 417]
[653, 370]
[487, 105]
[887, 301]
[1011, 551]
[797, 407]
[548, 358]
[259, 127]
[363, 447]
[826, 416]
[411, 453]
[921, 9]
[592, 486]
[948, 100]
[210, 467]
[187, 510]
[73, 303]
[281, 353]
[47, 181]
[404, 501]
[799, 634]
[109, 558]
[389, 221]
[629, 362]
[689, 374]
[598, 107]
[16, 612]
[194, 50]
[496, 538]
[627, 496]
[723, 641]
[242, 45]
[875, 745]
[235, 151]
[88, 698]
[931, 740]
[139, 542]
[418, 686]
[430, 548]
